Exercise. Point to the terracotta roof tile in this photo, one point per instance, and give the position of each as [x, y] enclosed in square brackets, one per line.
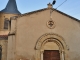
[5, 37]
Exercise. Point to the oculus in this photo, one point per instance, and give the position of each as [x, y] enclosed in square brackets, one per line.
[51, 24]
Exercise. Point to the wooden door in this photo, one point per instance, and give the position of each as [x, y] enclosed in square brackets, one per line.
[51, 55]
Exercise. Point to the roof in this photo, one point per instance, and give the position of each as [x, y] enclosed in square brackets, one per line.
[11, 7]
[3, 37]
[53, 10]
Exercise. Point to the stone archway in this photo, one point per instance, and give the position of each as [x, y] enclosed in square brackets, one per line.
[50, 37]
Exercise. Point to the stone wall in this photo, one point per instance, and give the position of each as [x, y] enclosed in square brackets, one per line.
[31, 27]
[3, 43]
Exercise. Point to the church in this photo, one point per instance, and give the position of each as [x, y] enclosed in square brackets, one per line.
[44, 34]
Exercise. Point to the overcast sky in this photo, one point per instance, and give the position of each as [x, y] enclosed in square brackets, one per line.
[70, 7]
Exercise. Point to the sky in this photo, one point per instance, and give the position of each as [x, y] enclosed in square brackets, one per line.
[70, 7]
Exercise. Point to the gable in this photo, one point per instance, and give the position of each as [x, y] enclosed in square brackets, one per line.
[38, 20]
[37, 11]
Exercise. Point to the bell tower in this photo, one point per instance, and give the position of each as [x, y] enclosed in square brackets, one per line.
[9, 11]
[5, 14]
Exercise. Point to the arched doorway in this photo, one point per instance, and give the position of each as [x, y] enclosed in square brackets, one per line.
[49, 46]
[51, 55]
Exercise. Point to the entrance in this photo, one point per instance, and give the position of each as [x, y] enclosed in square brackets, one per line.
[51, 55]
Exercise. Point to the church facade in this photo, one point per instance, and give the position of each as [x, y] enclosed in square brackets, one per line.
[45, 34]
